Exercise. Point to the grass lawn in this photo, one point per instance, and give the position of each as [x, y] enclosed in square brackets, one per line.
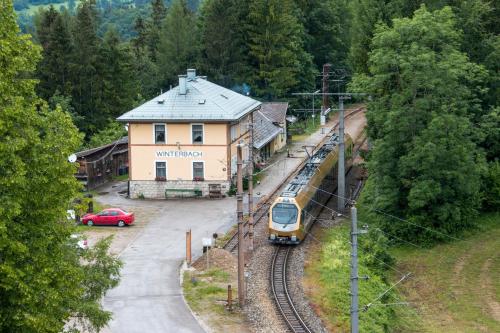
[456, 286]
[121, 178]
[309, 126]
[206, 293]
[327, 282]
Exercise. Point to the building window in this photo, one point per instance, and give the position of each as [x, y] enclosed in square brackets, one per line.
[161, 170]
[198, 171]
[234, 132]
[160, 136]
[197, 133]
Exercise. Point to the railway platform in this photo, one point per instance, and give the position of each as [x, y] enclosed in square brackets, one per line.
[283, 163]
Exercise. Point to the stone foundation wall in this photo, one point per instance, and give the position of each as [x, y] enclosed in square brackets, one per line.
[156, 189]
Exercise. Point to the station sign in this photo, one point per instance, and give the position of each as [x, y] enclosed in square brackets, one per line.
[179, 153]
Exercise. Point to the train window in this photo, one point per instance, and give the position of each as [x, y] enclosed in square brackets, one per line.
[285, 213]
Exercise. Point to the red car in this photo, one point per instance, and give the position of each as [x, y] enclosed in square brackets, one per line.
[109, 216]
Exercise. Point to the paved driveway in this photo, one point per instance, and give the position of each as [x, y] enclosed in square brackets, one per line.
[148, 298]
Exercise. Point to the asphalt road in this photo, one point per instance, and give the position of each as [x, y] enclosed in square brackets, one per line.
[148, 298]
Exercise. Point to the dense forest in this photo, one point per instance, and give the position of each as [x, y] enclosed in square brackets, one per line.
[429, 69]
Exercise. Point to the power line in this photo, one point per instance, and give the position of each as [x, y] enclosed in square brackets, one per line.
[367, 306]
[414, 224]
[394, 217]
[373, 256]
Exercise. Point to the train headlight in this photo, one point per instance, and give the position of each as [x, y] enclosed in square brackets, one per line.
[294, 238]
[272, 236]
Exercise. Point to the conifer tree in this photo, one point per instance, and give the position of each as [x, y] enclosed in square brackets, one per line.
[87, 85]
[327, 31]
[222, 47]
[177, 49]
[54, 68]
[141, 40]
[119, 85]
[365, 15]
[276, 41]
[158, 13]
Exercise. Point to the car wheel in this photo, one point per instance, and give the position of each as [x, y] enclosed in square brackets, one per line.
[90, 223]
[121, 223]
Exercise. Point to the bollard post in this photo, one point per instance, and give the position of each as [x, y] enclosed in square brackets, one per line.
[188, 247]
[229, 297]
[208, 264]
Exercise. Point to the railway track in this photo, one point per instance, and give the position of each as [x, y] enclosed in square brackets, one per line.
[261, 210]
[280, 291]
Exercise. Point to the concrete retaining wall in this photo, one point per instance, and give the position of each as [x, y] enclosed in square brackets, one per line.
[156, 189]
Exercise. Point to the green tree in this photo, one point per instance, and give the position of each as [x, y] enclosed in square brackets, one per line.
[145, 70]
[87, 85]
[491, 187]
[119, 86]
[365, 15]
[327, 31]
[54, 69]
[158, 13]
[43, 280]
[141, 40]
[442, 176]
[110, 133]
[423, 164]
[177, 49]
[490, 134]
[222, 47]
[146, 74]
[276, 41]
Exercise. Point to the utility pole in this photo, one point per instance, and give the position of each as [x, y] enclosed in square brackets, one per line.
[354, 271]
[326, 70]
[314, 112]
[250, 186]
[239, 208]
[341, 168]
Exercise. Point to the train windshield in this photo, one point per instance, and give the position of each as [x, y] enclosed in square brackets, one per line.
[285, 213]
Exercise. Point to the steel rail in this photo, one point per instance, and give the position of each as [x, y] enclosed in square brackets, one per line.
[281, 294]
[261, 212]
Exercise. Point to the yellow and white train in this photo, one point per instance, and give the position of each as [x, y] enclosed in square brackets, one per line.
[293, 213]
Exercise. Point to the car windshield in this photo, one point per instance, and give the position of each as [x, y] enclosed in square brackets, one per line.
[285, 213]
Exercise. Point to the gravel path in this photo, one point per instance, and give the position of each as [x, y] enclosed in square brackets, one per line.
[261, 309]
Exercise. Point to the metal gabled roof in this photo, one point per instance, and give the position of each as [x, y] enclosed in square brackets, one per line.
[204, 101]
[91, 151]
[264, 130]
[275, 111]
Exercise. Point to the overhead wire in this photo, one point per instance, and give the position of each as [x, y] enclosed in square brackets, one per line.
[373, 256]
[392, 216]
[441, 257]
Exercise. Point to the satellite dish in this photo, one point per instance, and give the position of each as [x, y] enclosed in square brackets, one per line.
[72, 158]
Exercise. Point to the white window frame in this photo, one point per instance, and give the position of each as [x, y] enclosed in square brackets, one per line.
[166, 168]
[154, 133]
[203, 134]
[192, 169]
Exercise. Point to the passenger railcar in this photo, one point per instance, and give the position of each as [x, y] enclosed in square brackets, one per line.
[294, 211]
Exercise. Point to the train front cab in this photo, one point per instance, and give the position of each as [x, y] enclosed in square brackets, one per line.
[284, 226]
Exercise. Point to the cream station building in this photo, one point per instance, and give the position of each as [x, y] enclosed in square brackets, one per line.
[183, 142]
